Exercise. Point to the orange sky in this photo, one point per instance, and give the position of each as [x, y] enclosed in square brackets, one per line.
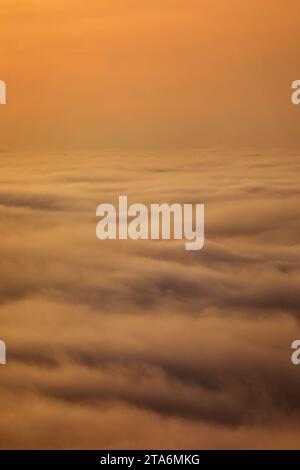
[160, 73]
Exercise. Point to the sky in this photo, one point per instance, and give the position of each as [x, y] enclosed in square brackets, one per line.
[149, 74]
[141, 344]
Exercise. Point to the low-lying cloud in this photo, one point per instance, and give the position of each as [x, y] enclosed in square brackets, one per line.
[124, 335]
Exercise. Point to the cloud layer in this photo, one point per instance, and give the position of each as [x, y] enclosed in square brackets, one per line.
[123, 344]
